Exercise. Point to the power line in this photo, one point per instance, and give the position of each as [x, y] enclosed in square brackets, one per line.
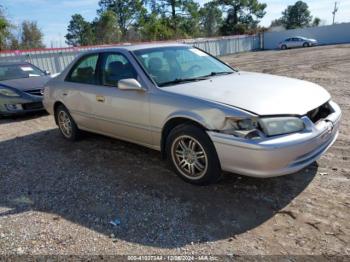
[335, 11]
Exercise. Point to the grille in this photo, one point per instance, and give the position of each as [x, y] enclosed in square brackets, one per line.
[34, 92]
[320, 113]
[33, 106]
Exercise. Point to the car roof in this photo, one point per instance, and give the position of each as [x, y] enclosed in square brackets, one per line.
[296, 37]
[142, 46]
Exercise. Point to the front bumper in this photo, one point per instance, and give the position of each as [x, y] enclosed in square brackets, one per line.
[20, 105]
[278, 155]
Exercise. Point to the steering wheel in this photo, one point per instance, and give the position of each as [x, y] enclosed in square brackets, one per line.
[194, 68]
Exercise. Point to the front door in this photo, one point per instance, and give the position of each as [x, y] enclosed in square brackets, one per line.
[295, 42]
[121, 113]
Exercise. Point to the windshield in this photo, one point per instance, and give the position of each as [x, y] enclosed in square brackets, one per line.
[8, 72]
[175, 65]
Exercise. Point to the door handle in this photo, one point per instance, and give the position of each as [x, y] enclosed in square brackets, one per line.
[100, 99]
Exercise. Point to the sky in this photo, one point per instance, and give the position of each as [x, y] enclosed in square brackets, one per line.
[53, 16]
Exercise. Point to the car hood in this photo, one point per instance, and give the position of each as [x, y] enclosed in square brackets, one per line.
[262, 94]
[24, 84]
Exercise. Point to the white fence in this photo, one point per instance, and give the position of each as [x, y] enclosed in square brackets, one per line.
[228, 45]
[55, 60]
[325, 35]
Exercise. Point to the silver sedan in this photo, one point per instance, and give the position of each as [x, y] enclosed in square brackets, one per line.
[299, 41]
[203, 115]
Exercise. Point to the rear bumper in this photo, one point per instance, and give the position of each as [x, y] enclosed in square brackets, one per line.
[280, 155]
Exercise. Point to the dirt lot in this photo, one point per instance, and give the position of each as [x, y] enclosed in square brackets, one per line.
[58, 197]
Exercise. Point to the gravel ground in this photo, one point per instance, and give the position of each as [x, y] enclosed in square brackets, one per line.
[58, 197]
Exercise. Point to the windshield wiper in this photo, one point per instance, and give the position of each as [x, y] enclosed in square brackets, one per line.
[219, 73]
[182, 80]
[193, 79]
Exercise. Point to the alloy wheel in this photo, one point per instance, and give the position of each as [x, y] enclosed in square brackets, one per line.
[189, 157]
[65, 124]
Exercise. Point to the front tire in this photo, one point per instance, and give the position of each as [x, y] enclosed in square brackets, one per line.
[66, 124]
[192, 155]
[306, 44]
[284, 47]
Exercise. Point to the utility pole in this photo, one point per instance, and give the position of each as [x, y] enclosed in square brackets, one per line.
[335, 11]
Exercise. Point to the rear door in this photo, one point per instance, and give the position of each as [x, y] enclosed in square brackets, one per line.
[79, 93]
[287, 42]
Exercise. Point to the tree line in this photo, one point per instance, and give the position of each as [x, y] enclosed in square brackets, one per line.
[25, 36]
[150, 20]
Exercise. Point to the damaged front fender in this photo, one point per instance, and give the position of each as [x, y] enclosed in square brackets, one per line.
[210, 118]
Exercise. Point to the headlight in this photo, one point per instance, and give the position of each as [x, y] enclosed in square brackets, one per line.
[281, 125]
[7, 92]
[244, 124]
[245, 128]
[255, 128]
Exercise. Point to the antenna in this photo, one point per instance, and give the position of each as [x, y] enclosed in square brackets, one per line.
[335, 11]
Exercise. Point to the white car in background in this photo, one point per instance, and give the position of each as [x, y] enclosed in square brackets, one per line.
[298, 41]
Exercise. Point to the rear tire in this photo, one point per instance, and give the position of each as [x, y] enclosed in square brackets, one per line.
[66, 124]
[192, 155]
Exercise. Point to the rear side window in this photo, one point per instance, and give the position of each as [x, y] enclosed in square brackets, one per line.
[84, 71]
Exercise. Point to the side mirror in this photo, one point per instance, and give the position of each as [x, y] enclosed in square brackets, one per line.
[129, 84]
[46, 72]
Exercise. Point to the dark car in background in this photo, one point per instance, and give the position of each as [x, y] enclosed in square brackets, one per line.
[21, 88]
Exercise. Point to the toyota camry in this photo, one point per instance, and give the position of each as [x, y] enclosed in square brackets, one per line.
[204, 116]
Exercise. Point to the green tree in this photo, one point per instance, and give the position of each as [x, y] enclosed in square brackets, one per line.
[153, 6]
[106, 28]
[128, 12]
[190, 19]
[182, 16]
[211, 18]
[153, 25]
[316, 22]
[80, 32]
[31, 35]
[5, 27]
[277, 22]
[296, 16]
[155, 28]
[242, 16]
[14, 43]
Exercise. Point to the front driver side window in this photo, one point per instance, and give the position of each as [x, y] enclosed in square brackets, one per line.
[85, 70]
[116, 67]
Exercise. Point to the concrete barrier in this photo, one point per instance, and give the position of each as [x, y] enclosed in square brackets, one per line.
[325, 35]
[55, 60]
